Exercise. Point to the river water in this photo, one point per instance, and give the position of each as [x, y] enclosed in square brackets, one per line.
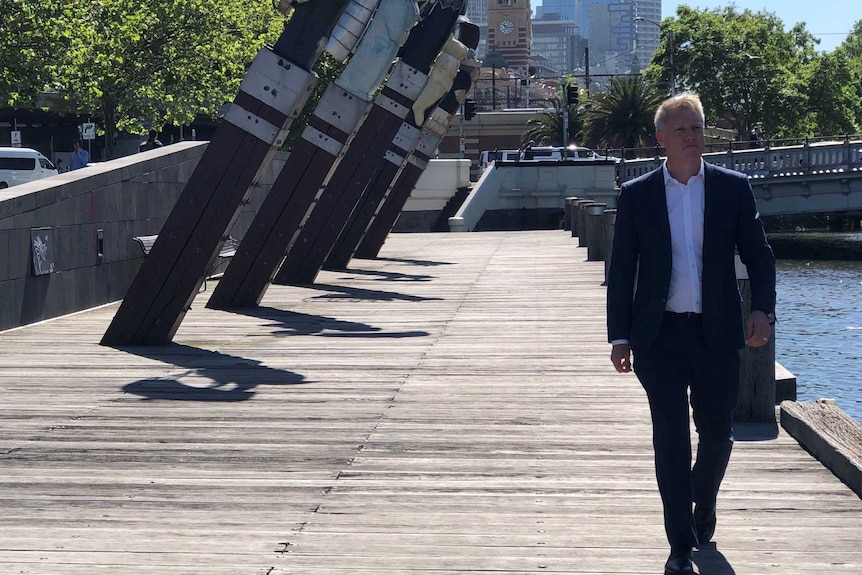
[819, 331]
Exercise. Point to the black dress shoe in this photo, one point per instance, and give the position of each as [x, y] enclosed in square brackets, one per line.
[679, 563]
[704, 523]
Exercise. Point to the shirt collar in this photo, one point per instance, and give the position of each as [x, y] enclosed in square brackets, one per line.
[668, 177]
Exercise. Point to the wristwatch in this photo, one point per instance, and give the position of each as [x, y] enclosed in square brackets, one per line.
[771, 317]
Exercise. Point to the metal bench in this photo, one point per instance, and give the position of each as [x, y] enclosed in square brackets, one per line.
[227, 251]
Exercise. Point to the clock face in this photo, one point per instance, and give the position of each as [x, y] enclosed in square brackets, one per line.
[506, 27]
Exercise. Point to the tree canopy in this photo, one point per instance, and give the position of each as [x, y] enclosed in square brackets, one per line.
[31, 35]
[137, 63]
[546, 128]
[750, 71]
[622, 117]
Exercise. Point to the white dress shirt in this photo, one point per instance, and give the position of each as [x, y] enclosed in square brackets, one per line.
[685, 214]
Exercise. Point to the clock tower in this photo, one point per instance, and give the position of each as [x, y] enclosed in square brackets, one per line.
[509, 33]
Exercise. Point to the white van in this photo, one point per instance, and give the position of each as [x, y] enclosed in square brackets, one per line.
[490, 156]
[556, 153]
[22, 165]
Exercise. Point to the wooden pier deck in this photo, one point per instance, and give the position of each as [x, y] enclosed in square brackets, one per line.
[448, 408]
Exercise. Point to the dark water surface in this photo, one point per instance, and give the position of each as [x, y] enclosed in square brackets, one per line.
[819, 332]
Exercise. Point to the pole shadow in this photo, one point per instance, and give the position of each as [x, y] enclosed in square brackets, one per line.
[388, 276]
[426, 263]
[230, 378]
[710, 561]
[344, 293]
[287, 323]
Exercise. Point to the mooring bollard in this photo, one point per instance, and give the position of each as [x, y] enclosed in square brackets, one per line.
[595, 232]
[567, 213]
[581, 221]
[756, 401]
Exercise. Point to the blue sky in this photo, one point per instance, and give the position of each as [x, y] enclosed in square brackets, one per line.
[829, 20]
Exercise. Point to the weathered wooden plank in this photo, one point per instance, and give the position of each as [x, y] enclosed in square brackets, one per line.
[830, 434]
[448, 408]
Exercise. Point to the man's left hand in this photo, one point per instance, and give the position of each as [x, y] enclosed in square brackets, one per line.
[757, 329]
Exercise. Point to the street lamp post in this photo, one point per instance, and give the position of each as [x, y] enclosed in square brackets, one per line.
[670, 51]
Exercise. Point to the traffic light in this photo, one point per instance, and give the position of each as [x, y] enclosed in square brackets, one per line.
[469, 109]
[571, 95]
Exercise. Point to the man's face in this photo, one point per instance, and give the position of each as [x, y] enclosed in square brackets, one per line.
[682, 135]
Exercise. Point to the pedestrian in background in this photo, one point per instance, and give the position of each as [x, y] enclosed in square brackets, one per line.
[80, 157]
[152, 142]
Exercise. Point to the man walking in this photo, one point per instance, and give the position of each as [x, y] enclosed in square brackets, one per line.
[673, 303]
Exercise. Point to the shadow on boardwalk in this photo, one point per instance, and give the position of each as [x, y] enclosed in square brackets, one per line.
[224, 377]
[462, 422]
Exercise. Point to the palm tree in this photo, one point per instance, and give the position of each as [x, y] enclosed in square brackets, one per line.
[622, 117]
[546, 128]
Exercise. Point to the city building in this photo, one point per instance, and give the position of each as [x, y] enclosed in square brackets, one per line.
[510, 33]
[477, 13]
[555, 41]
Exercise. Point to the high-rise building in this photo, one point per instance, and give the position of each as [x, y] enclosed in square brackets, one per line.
[477, 11]
[618, 42]
[553, 38]
[646, 32]
[566, 9]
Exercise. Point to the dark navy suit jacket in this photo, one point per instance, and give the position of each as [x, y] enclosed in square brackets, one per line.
[640, 267]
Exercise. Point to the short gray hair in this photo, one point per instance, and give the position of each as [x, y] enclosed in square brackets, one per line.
[687, 100]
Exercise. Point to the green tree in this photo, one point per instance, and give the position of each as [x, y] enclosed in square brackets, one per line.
[745, 66]
[833, 96]
[623, 116]
[32, 33]
[150, 62]
[851, 49]
[546, 128]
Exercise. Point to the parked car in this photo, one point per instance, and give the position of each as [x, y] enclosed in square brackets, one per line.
[22, 165]
[556, 153]
[490, 156]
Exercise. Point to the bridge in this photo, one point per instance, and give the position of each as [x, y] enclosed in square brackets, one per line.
[813, 177]
[818, 177]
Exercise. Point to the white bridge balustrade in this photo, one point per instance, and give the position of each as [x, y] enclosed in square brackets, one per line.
[814, 177]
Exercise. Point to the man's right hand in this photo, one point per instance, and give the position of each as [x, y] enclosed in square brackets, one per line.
[621, 357]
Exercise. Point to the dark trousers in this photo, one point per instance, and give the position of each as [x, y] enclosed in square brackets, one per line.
[678, 362]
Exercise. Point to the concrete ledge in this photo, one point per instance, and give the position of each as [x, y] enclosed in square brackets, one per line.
[830, 435]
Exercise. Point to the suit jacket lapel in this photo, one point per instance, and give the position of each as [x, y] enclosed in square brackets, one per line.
[658, 204]
[711, 207]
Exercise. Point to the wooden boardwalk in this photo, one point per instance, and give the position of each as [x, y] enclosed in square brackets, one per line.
[448, 408]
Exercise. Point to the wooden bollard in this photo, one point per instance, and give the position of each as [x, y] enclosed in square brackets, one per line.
[581, 221]
[567, 213]
[595, 232]
[609, 220]
[756, 402]
[575, 214]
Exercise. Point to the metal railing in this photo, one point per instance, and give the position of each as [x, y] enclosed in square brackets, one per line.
[787, 159]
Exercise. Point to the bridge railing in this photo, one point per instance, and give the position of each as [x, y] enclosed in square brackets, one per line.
[810, 157]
